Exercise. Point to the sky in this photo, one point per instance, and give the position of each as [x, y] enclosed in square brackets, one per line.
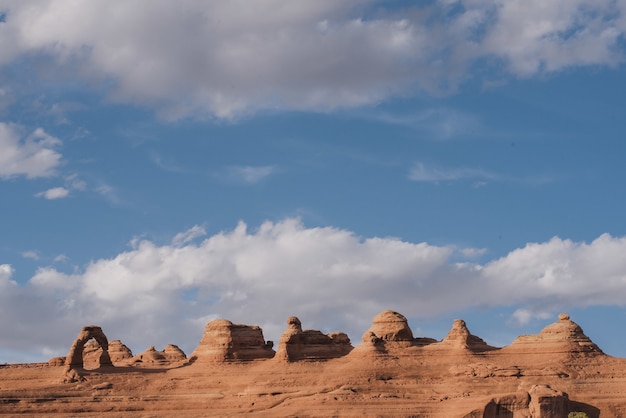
[164, 164]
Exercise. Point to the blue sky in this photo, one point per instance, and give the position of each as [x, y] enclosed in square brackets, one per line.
[164, 164]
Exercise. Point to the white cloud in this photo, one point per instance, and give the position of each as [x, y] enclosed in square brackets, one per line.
[330, 278]
[523, 316]
[54, 193]
[6, 271]
[31, 156]
[226, 59]
[536, 36]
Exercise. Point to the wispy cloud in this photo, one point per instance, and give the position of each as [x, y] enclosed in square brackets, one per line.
[437, 123]
[188, 236]
[167, 165]
[434, 174]
[248, 174]
[33, 255]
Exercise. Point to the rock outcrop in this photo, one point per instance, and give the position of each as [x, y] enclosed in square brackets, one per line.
[75, 356]
[170, 355]
[390, 330]
[546, 402]
[224, 341]
[119, 352]
[459, 338]
[389, 326]
[541, 401]
[298, 344]
[564, 336]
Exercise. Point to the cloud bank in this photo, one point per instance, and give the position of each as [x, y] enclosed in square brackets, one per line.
[329, 277]
[210, 58]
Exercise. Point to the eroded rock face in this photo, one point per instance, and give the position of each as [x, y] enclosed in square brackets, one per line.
[546, 402]
[75, 356]
[224, 341]
[541, 401]
[297, 344]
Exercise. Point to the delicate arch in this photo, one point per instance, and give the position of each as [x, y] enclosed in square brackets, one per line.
[75, 356]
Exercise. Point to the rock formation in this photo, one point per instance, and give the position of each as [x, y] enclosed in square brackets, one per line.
[390, 330]
[541, 401]
[546, 402]
[75, 356]
[171, 354]
[297, 344]
[388, 326]
[564, 336]
[557, 373]
[56, 362]
[224, 341]
[460, 338]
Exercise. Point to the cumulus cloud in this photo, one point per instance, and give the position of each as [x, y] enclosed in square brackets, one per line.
[224, 59]
[329, 277]
[32, 156]
[54, 193]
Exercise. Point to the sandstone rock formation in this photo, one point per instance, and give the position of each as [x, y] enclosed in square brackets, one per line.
[224, 341]
[171, 354]
[546, 402]
[388, 326]
[75, 356]
[564, 336]
[297, 344]
[557, 372]
[119, 352]
[541, 401]
[390, 330]
[459, 338]
[56, 362]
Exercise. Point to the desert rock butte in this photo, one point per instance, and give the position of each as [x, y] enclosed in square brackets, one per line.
[557, 373]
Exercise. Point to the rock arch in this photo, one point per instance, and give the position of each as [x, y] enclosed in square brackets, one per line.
[75, 356]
